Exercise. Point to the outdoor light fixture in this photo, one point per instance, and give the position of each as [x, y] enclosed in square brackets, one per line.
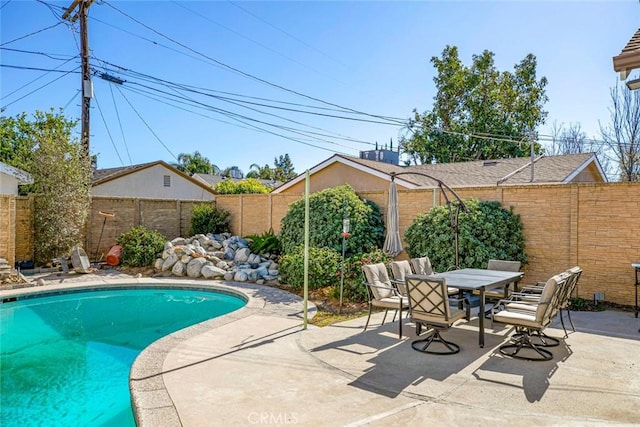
[633, 84]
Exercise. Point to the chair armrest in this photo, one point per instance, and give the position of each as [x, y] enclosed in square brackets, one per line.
[386, 288]
[400, 284]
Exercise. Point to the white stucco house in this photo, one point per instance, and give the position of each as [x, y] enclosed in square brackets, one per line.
[11, 178]
[155, 180]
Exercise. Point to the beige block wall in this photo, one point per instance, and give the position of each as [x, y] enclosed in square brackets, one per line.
[595, 226]
[8, 228]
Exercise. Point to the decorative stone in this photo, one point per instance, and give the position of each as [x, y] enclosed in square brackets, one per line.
[211, 272]
[179, 241]
[185, 259]
[242, 255]
[228, 275]
[179, 269]
[194, 267]
[168, 245]
[158, 264]
[169, 262]
[240, 276]
[222, 264]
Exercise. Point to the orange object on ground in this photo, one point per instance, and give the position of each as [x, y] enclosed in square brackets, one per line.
[113, 256]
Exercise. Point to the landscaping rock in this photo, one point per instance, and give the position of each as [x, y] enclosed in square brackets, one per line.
[215, 256]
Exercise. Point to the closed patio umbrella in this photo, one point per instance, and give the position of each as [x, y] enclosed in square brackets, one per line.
[392, 243]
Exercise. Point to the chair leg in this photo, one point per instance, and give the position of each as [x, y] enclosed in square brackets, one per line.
[368, 318]
[385, 316]
[435, 337]
[562, 323]
[570, 321]
[522, 341]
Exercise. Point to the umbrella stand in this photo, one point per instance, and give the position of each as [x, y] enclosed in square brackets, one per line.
[451, 204]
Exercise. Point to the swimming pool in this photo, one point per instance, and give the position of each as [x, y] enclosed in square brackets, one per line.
[66, 358]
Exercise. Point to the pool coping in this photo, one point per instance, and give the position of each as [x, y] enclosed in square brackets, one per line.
[150, 399]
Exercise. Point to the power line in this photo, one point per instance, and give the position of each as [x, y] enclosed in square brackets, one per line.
[36, 79]
[37, 89]
[115, 106]
[283, 31]
[108, 131]
[243, 73]
[31, 34]
[146, 124]
[253, 41]
[246, 125]
[48, 55]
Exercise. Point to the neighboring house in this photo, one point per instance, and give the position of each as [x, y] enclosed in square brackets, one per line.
[155, 180]
[629, 60]
[11, 178]
[369, 175]
[212, 180]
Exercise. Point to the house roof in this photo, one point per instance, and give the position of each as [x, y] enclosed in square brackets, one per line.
[100, 176]
[22, 176]
[214, 179]
[516, 171]
[629, 57]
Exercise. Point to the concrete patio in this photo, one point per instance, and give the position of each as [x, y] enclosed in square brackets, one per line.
[263, 369]
[257, 366]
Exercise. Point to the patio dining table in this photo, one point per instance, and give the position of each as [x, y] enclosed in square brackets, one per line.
[477, 279]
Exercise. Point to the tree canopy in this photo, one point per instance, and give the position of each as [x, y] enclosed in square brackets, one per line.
[283, 170]
[195, 163]
[479, 112]
[61, 173]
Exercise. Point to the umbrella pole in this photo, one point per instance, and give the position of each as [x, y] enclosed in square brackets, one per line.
[342, 275]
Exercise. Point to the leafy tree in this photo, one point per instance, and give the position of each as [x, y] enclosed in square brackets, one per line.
[479, 112]
[258, 172]
[622, 134]
[246, 186]
[195, 163]
[284, 170]
[327, 210]
[488, 232]
[16, 141]
[61, 171]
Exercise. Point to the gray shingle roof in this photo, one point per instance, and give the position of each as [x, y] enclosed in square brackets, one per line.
[547, 169]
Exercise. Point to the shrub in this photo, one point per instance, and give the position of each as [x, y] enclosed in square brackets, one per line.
[488, 232]
[208, 218]
[246, 186]
[141, 246]
[327, 209]
[324, 265]
[266, 242]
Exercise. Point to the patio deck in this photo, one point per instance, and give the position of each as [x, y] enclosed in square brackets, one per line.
[256, 366]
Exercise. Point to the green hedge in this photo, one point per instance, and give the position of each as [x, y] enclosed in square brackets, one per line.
[488, 232]
[327, 210]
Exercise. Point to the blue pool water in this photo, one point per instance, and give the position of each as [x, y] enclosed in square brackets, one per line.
[65, 359]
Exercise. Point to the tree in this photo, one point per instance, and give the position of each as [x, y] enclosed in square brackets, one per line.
[622, 135]
[195, 163]
[257, 172]
[573, 140]
[479, 112]
[61, 172]
[284, 170]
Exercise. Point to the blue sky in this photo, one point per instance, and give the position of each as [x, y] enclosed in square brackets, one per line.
[371, 57]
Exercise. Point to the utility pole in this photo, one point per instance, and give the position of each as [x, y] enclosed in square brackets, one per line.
[87, 86]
